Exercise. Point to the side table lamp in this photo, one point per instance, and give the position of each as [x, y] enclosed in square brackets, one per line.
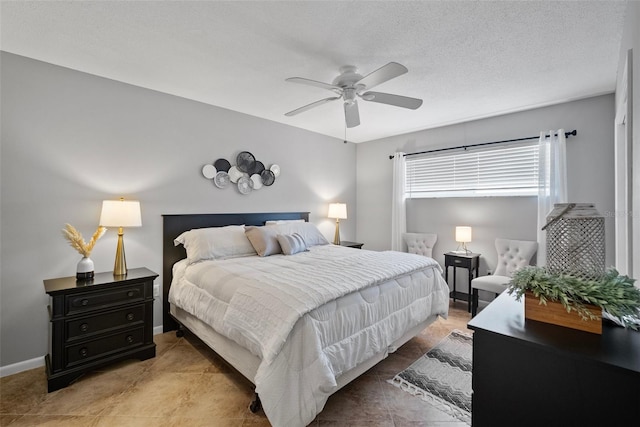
[463, 236]
[120, 213]
[337, 211]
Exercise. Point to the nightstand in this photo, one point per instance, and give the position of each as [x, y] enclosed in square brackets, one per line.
[355, 245]
[469, 261]
[98, 321]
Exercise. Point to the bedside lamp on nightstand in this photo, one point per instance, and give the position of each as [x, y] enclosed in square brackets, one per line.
[463, 236]
[120, 213]
[337, 211]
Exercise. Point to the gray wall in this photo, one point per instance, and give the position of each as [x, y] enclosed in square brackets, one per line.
[590, 179]
[70, 140]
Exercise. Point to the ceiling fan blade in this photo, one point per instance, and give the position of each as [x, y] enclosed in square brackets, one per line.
[309, 82]
[382, 74]
[310, 106]
[397, 100]
[351, 114]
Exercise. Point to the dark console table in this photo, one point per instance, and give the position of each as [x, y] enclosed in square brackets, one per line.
[528, 373]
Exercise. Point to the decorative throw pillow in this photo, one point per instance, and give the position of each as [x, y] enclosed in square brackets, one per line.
[291, 244]
[264, 239]
[308, 231]
[215, 243]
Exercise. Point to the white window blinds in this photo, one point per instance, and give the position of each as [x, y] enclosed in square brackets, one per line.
[504, 171]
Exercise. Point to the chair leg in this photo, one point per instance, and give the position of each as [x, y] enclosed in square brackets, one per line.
[474, 302]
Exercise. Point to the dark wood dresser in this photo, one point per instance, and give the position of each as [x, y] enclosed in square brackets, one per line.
[528, 373]
[98, 321]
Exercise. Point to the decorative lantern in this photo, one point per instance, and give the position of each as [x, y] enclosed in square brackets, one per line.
[575, 240]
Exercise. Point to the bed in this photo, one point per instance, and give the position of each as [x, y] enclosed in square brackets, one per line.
[326, 314]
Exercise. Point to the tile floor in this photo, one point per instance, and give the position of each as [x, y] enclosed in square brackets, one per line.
[186, 384]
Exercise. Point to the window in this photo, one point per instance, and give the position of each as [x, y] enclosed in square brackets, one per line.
[506, 171]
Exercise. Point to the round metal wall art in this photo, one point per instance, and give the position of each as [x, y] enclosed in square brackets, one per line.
[257, 181]
[235, 174]
[248, 174]
[222, 165]
[209, 171]
[268, 177]
[221, 179]
[245, 162]
[258, 168]
[245, 185]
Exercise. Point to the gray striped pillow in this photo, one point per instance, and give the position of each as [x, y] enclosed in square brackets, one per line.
[291, 244]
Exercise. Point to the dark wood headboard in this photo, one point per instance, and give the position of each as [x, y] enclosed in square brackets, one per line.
[174, 225]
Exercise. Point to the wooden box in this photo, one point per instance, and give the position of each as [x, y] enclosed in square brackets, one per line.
[555, 313]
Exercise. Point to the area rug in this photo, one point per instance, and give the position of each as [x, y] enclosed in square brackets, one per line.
[442, 376]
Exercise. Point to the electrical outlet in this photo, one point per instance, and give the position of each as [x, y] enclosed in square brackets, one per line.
[489, 272]
[156, 289]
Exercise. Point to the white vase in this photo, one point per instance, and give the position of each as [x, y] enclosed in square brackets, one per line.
[85, 268]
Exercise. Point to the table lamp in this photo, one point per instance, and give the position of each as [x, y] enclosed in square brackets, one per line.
[463, 236]
[120, 213]
[337, 211]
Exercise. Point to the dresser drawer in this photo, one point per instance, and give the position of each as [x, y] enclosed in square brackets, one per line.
[90, 350]
[82, 302]
[91, 325]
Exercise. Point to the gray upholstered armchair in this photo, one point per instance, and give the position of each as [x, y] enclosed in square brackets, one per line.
[512, 255]
[420, 243]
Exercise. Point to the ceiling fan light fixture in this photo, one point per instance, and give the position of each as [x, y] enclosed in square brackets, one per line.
[349, 95]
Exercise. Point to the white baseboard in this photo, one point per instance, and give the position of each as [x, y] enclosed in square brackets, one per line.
[25, 365]
[37, 362]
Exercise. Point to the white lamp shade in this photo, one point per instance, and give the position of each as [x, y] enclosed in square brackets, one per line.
[463, 234]
[337, 210]
[120, 213]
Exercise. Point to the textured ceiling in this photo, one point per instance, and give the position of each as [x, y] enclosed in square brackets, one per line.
[467, 60]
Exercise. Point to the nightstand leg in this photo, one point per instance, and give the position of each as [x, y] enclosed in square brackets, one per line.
[469, 290]
[454, 283]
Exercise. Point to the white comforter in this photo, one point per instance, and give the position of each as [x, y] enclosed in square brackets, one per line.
[288, 311]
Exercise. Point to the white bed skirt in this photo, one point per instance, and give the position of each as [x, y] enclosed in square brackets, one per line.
[247, 364]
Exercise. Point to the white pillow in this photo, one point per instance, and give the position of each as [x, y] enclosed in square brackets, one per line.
[309, 232]
[263, 239]
[283, 221]
[291, 244]
[215, 243]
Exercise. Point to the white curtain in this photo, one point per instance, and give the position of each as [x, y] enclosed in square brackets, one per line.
[398, 207]
[552, 182]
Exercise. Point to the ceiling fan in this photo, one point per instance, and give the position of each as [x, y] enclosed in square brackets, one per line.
[350, 85]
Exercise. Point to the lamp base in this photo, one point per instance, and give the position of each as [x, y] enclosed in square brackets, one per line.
[336, 237]
[120, 264]
[464, 249]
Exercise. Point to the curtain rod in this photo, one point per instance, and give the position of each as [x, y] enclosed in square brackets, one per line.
[566, 134]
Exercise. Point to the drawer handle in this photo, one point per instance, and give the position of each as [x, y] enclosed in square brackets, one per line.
[85, 302]
[130, 294]
[129, 339]
[130, 316]
[84, 327]
[84, 352]
[457, 261]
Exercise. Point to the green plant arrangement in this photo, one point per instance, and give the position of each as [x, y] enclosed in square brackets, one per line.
[614, 293]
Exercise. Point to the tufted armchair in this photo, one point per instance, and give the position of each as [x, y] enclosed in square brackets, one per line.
[420, 243]
[512, 255]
